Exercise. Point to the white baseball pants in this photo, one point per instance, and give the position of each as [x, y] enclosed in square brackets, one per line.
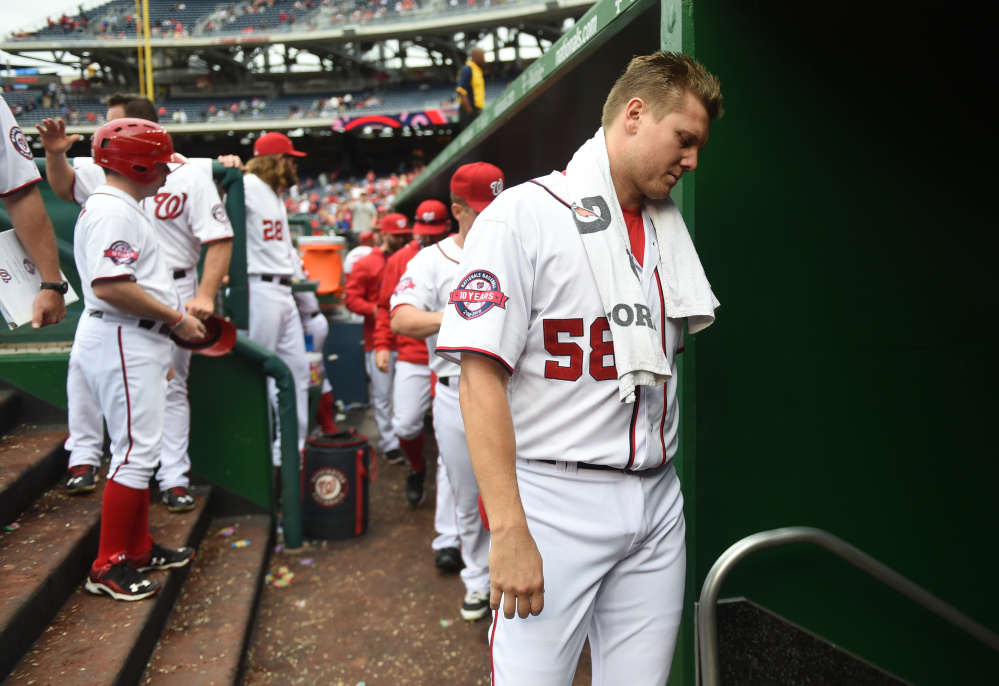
[614, 566]
[450, 431]
[380, 387]
[125, 367]
[410, 398]
[444, 519]
[275, 324]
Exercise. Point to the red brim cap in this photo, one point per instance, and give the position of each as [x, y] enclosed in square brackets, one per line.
[423, 229]
[220, 337]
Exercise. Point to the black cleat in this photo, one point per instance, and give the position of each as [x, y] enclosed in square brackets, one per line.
[415, 495]
[82, 479]
[449, 559]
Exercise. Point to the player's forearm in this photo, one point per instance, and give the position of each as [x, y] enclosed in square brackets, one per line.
[60, 175]
[130, 298]
[34, 230]
[466, 103]
[491, 442]
[407, 320]
[216, 267]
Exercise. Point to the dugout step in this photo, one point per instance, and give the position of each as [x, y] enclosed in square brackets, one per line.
[10, 409]
[32, 460]
[758, 647]
[94, 639]
[207, 638]
[42, 563]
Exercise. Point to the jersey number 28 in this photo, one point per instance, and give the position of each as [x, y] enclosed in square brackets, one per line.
[600, 350]
[272, 230]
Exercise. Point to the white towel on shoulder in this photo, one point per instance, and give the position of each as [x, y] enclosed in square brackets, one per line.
[638, 352]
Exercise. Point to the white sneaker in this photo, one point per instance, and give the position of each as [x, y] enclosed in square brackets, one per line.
[476, 605]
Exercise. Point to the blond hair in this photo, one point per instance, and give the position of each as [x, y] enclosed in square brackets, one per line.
[662, 80]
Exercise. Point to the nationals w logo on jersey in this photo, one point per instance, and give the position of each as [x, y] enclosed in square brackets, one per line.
[476, 294]
[121, 253]
[169, 206]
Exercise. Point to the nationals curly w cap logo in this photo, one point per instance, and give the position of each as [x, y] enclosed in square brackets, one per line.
[476, 294]
[591, 215]
[121, 253]
[20, 143]
[218, 212]
[329, 487]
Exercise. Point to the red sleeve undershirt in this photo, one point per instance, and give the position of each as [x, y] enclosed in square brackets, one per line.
[636, 232]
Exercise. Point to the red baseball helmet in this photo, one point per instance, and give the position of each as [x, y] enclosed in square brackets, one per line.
[133, 147]
[220, 337]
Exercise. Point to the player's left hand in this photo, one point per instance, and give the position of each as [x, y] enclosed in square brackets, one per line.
[49, 308]
[201, 306]
[515, 571]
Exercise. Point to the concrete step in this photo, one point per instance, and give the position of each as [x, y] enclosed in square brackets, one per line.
[208, 635]
[32, 460]
[42, 563]
[95, 640]
[10, 409]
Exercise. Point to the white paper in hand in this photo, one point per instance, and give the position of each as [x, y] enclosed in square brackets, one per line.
[19, 282]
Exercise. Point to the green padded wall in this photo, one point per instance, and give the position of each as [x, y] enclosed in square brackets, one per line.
[847, 384]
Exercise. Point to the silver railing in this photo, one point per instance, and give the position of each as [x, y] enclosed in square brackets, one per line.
[707, 620]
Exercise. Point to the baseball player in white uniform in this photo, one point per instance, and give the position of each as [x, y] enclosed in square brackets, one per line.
[432, 223]
[271, 263]
[187, 214]
[122, 345]
[417, 308]
[367, 241]
[19, 193]
[568, 387]
[315, 324]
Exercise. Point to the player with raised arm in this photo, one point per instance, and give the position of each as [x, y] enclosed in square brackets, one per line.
[186, 214]
[567, 315]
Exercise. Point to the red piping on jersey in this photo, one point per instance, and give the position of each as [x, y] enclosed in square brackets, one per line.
[492, 639]
[20, 188]
[217, 240]
[128, 404]
[476, 351]
[120, 277]
[551, 193]
[662, 328]
[445, 254]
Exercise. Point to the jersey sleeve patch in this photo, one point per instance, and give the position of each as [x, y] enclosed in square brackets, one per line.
[477, 293]
[405, 283]
[20, 143]
[218, 213]
[121, 253]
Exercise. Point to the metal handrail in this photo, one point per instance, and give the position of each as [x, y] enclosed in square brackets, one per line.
[707, 629]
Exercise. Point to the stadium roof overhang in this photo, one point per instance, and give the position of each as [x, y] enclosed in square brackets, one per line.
[555, 105]
[545, 12]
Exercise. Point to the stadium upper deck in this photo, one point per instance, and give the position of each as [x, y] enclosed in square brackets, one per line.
[209, 22]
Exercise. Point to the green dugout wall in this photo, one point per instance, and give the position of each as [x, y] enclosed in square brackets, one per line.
[840, 212]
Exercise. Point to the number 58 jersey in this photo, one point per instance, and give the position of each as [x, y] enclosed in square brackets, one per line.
[525, 296]
[268, 244]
